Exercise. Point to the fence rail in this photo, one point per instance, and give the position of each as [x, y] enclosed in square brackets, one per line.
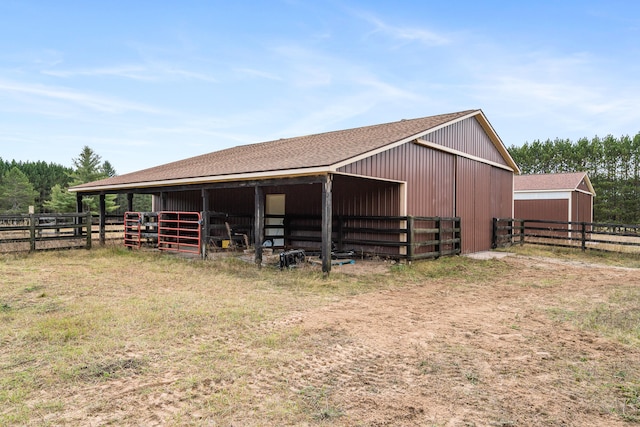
[408, 237]
[583, 235]
[44, 231]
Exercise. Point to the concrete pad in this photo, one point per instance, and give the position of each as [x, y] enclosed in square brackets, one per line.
[488, 255]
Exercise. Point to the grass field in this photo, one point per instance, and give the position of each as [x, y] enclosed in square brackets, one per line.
[117, 337]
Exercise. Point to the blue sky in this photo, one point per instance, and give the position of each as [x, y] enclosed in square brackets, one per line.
[148, 82]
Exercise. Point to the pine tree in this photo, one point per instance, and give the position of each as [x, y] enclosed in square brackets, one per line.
[16, 192]
[88, 168]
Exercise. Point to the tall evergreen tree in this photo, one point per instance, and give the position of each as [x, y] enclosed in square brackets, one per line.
[16, 192]
[88, 168]
[613, 165]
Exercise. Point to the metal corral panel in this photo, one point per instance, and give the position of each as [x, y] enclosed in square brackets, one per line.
[473, 204]
[469, 137]
[429, 174]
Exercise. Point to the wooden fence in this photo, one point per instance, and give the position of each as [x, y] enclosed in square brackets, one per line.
[45, 231]
[407, 237]
[583, 235]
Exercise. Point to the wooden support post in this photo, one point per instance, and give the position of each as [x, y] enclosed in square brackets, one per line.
[206, 229]
[258, 226]
[77, 232]
[103, 219]
[130, 202]
[494, 234]
[584, 236]
[32, 232]
[522, 232]
[439, 237]
[87, 220]
[411, 222]
[327, 211]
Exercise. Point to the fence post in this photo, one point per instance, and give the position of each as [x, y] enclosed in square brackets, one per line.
[494, 234]
[583, 227]
[522, 232]
[439, 236]
[510, 233]
[88, 219]
[32, 232]
[410, 237]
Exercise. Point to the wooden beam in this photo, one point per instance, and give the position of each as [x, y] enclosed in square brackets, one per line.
[77, 231]
[103, 218]
[327, 211]
[130, 202]
[311, 179]
[205, 223]
[258, 237]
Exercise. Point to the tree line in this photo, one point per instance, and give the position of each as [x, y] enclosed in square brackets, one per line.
[45, 186]
[613, 166]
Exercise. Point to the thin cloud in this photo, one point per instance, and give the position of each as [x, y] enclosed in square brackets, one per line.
[406, 34]
[258, 73]
[149, 73]
[86, 100]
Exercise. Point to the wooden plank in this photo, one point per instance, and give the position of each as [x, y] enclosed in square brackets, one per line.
[258, 226]
[327, 211]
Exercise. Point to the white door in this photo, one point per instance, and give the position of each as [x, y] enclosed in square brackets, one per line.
[275, 226]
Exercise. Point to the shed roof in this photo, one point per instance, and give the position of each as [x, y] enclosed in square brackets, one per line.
[551, 182]
[319, 153]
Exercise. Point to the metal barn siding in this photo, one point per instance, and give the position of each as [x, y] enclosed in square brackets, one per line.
[467, 136]
[501, 193]
[473, 204]
[581, 204]
[549, 209]
[359, 196]
[429, 174]
[185, 201]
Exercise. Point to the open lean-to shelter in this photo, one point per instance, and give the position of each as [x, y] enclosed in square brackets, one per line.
[368, 189]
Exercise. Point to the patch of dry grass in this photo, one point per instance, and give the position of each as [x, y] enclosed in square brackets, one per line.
[77, 319]
[120, 337]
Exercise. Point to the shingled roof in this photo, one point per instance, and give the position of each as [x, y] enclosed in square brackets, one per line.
[551, 182]
[305, 154]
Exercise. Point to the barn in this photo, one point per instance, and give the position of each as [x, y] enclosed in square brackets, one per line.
[564, 197]
[314, 190]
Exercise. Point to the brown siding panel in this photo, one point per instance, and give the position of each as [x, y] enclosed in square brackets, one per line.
[582, 211]
[429, 175]
[551, 209]
[474, 204]
[469, 137]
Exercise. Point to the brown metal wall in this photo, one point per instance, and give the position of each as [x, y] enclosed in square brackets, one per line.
[358, 196]
[474, 204]
[582, 210]
[469, 137]
[183, 201]
[429, 174]
[501, 193]
[551, 209]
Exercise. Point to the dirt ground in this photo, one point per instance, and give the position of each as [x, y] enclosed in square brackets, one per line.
[482, 355]
[442, 353]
